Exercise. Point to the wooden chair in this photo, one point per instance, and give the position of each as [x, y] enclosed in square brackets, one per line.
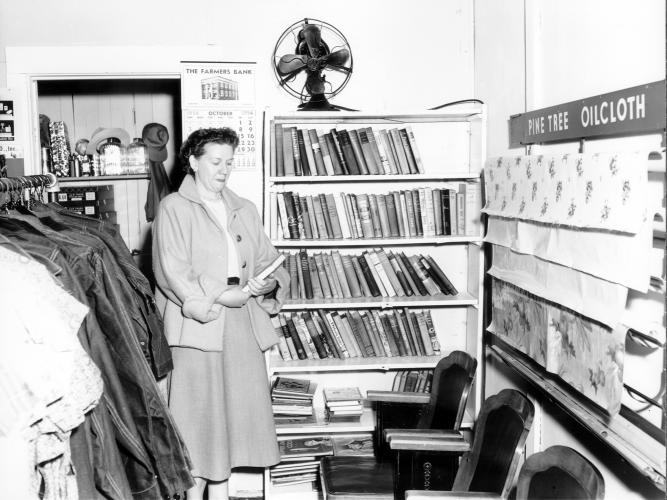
[352, 478]
[558, 472]
[488, 467]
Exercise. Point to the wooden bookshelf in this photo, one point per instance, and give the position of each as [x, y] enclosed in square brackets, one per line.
[451, 146]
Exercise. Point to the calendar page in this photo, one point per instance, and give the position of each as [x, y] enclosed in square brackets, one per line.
[220, 94]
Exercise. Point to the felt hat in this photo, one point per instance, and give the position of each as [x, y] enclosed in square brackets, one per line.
[102, 133]
[155, 137]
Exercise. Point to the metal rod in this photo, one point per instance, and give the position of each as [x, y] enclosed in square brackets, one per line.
[27, 181]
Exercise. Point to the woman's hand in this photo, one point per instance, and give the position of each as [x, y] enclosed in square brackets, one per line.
[259, 287]
[233, 297]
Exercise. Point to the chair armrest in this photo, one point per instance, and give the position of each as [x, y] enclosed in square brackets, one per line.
[390, 434]
[431, 495]
[398, 397]
[430, 442]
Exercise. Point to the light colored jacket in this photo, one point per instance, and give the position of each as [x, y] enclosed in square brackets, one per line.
[190, 265]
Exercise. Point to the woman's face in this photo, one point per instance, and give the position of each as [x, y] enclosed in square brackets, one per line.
[213, 168]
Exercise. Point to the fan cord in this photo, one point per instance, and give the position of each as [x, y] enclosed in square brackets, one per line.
[456, 102]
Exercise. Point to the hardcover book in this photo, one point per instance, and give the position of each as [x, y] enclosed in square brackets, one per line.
[305, 447]
[294, 387]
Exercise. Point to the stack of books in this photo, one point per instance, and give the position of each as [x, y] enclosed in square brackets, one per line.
[373, 273]
[367, 333]
[292, 400]
[413, 381]
[411, 213]
[299, 459]
[342, 404]
[361, 151]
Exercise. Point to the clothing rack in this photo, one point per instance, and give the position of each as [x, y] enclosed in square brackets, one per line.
[10, 184]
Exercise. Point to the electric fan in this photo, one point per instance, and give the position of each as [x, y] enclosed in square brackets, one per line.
[312, 58]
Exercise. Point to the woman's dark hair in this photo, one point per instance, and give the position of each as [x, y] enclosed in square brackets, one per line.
[197, 140]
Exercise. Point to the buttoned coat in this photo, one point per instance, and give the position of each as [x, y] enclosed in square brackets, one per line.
[190, 264]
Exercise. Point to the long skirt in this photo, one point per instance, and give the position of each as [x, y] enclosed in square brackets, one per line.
[221, 403]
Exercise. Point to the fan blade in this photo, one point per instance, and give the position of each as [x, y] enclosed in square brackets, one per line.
[289, 63]
[340, 69]
[313, 37]
[337, 58]
[315, 84]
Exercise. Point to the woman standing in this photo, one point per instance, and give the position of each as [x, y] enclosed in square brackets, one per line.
[208, 243]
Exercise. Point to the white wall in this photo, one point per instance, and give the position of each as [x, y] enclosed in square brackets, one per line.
[407, 55]
[533, 54]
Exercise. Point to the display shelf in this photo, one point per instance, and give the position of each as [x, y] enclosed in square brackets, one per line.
[102, 178]
[440, 300]
[377, 242]
[366, 423]
[321, 179]
[353, 364]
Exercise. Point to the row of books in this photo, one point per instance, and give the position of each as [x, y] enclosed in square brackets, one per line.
[413, 381]
[362, 151]
[407, 213]
[373, 273]
[292, 399]
[355, 333]
[300, 456]
[342, 404]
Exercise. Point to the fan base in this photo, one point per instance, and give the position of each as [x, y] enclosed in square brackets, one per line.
[318, 102]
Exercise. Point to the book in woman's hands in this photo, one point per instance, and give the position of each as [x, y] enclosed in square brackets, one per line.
[268, 270]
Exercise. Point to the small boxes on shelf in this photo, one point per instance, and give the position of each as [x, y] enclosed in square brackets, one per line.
[92, 201]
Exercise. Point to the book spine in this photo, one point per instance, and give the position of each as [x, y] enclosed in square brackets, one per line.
[414, 275]
[376, 325]
[310, 208]
[373, 336]
[428, 210]
[412, 286]
[473, 208]
[384, 215]
[290, 209]
[412, 165]
[410, 209]
[361, 279]
[348, 152]
[316, 152]
[349, 212]
[315, 279]
[356, 216]
[346, 335]
[319, 264]
[367, 150]
[303, 152]
[336, 154]
[452, 211]
[319, 218]
[305, 217]
[460, 214]
[392, 215]
[435, 269]
[340, 272]
[294, 335]
[358, 153]
[341, 215]
[282, 342]
[333, 216]
[375, 216]
[423, 333]
[294, 276]
[277, 167]
[308, 146]
[365, 216]
[313, 321]
[401, 344]
[305, 337]
[389, 270]
[418, 212]
[361, 335]
[382, 275]
[288, 154]
[326, 214]
[333, 328]
[431, 286]
[391, 154]
[437, 212]
[446, 218]
[314, 335]
[399, 275]
[411, 320]
[326, 154]
[401, 214]
[301, 288]
[383, 165]
[299, 215]
[350, 275]
[431, 332]
[403, 166]
[368, 276]
[305, 273]
[330, 269]
[415, 150]
[288, 338]
[405, 333]
[296, 152]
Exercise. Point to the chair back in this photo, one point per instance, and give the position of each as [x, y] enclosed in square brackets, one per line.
[559, 472]
[499, 437]
[452, 381]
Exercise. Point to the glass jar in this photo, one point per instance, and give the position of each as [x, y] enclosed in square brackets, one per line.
[111, 156]
[137, 157]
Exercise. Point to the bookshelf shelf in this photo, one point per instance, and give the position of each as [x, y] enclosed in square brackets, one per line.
[102, 178]
[366, 423]
[460, 300]
[377, 242]
[356, 364]
[462, 175]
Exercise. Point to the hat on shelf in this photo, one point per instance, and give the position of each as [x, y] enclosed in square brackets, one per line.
[155, 137]
[102, 133]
